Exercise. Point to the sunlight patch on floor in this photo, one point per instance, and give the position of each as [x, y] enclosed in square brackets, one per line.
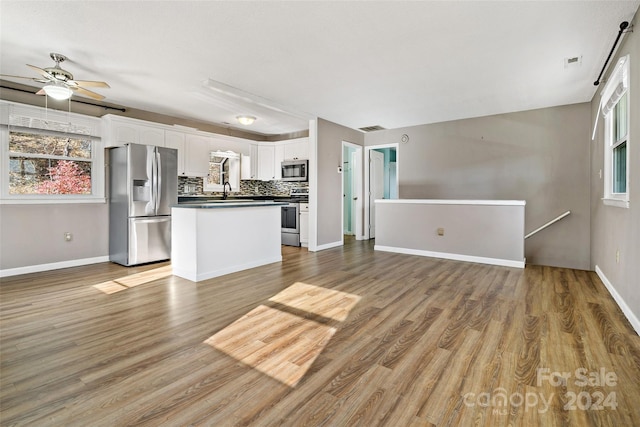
[283, 337]
[132, 280]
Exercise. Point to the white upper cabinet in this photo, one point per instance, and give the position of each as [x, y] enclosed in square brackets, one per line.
[296, 149]
[151, 136]
[196, 161]
[266, 162]
[245, 167]
[267, 157]
[118, 131]
[278, 158]
[173, 139]
[259, 160]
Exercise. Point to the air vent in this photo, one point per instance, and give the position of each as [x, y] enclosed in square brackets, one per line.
[371, 128]
[574, 61]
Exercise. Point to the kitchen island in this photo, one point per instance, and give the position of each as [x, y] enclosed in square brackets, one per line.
[213, 239]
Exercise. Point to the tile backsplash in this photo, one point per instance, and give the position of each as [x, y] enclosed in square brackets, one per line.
[247, 187]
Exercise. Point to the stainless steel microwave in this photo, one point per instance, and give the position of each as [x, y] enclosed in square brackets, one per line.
[295, 170]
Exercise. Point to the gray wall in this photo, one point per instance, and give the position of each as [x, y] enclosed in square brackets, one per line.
[614, 228]
[541, 156]
[33, 234]
[329, 210]
[483, 231]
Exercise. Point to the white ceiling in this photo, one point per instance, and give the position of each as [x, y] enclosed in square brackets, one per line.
[357, 63]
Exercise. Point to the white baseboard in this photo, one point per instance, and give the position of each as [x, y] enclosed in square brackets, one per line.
[455, 257]
[630, 315]
[197, 277]
[327, 246]
[52, 266]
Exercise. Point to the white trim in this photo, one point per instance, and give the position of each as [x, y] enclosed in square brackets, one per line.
[626, 310]
[187, 274]
[52, 266]
[358, 226]
[42, 201]
[615, 89]
[454, 202]
[616, 202]
[313, 185]
[327, 246]
[455, 257]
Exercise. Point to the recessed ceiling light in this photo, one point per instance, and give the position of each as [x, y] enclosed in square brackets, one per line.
[246, 120]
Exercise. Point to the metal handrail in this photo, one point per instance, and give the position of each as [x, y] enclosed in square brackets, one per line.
[547, 224]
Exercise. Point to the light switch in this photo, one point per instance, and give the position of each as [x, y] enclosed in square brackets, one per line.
[440, 231]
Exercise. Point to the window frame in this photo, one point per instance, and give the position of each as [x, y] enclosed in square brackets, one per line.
[616, 87]
[93, 126]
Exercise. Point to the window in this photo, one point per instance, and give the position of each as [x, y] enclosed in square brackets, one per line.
[48, 160]
[49, 164]
[615, 108]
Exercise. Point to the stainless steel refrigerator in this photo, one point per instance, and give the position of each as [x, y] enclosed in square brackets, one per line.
[143, 184]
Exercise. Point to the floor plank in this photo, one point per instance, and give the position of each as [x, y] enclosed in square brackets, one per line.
[343, 337]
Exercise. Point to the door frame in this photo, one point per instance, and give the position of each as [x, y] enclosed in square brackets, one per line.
[356, 174]
[367, 187]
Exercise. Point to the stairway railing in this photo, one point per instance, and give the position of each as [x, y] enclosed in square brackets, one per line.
[553, 221]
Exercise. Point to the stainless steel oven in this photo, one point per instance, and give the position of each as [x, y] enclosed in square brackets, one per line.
[290, 222]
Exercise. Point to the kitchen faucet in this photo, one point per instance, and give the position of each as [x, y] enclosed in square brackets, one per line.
[224, 190]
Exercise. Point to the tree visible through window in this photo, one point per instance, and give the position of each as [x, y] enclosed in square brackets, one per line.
[49, 164]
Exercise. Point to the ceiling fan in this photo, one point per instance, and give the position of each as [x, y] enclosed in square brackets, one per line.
[59, 83]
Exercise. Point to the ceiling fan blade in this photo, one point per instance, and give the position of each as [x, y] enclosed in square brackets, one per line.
[89, 83]
[86, 92]
[42, 72]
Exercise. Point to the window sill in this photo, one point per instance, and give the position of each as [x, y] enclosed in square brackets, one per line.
[51, 201]
[616, 202]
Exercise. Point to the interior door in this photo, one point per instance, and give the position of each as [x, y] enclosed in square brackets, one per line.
[376, 186]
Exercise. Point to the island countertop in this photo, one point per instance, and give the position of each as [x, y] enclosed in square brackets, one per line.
[228, 204]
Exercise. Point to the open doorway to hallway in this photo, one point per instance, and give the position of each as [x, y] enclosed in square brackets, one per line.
[381, 181]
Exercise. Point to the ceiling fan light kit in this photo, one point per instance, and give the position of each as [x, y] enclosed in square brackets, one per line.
[57, 90]
[59, 83]
[246, 120]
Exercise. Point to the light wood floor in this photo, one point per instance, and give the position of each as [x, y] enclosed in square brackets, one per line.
[342, 337]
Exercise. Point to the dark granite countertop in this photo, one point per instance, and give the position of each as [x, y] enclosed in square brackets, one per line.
[229, 203]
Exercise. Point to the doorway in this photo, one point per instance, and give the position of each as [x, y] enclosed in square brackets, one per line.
[381, 181]
[352, 212]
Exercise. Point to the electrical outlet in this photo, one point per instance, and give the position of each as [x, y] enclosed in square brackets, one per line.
[440, 231]
[68, 236]
[617, 256]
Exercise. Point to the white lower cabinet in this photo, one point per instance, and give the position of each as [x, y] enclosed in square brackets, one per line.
[304, 224]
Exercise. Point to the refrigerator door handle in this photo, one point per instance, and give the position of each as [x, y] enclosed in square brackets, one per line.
[158, 181]
[152, 175]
